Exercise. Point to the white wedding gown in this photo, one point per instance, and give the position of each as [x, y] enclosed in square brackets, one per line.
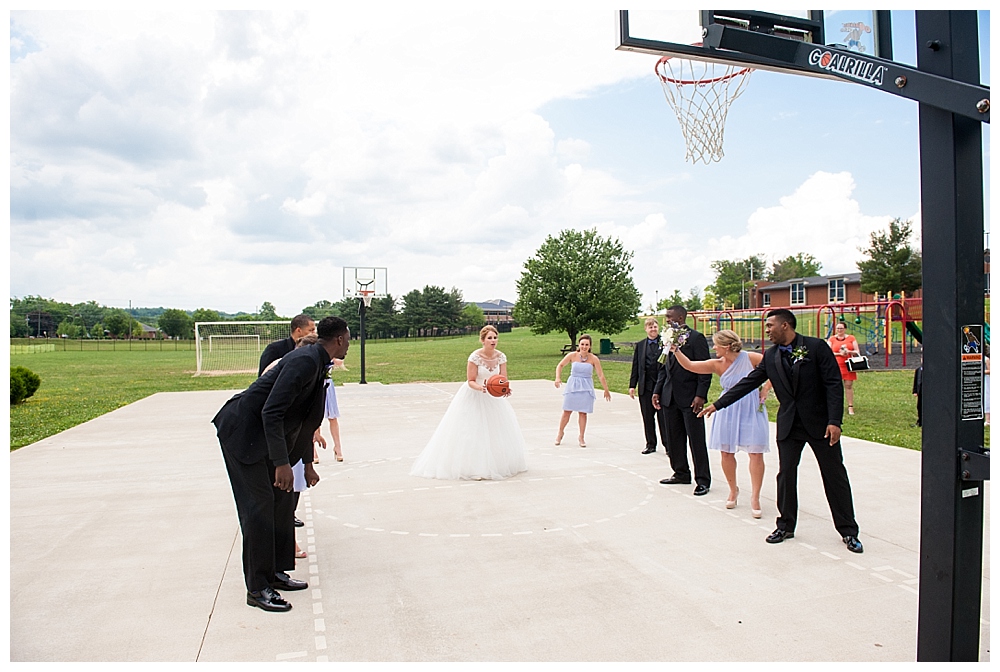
[478, 437]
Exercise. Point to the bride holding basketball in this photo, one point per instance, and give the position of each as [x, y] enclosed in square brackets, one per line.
[478, 437]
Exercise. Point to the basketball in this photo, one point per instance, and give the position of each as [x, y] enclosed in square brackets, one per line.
[498, 386]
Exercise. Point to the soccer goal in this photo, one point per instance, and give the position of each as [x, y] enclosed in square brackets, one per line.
[233, 347]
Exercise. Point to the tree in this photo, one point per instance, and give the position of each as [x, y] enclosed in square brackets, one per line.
[432, 309]
[575, 282]
[18, 325]
[206, 315]
[473, 316]
[693, 302]
[798, 266]
[709, 301]
[68, 329]
[674, 299]
[892, 266]
[118, 322]
[321, 309]
[268, 312]
[176, 323]
[733, 279]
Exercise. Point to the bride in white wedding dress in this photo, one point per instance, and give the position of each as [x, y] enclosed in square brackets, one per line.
[478, 437]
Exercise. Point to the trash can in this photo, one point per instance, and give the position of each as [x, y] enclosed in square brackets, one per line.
[605, 346]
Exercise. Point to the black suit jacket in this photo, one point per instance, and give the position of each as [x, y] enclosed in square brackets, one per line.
[265, 420]
[677, 385]
[638, 378]
[813, 390]
[274, 351]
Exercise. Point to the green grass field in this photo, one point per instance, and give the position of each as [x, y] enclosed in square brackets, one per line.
[79, 386]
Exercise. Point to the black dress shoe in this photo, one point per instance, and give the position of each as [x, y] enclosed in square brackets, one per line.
[284, 582]
[298, 523]
[700, 490]
[853, 544]
[673, 480]
[648, 451]
[268, 600]
[779, 536]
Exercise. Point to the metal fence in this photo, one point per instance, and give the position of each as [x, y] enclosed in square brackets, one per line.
[24, 346]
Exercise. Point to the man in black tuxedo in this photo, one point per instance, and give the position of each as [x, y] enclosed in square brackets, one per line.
[645, 371]
[807, 382]
[261, 433]
[301, 325]
[681, 394]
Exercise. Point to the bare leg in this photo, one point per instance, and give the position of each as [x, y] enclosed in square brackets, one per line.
[335, 433]
[849, 391]
[563, 421]
[583, 428]
[729, 469]
[756, 479]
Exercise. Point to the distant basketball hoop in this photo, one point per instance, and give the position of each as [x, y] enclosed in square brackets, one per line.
[700, 93]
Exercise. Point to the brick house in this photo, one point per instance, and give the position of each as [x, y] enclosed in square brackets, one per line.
[817, 290]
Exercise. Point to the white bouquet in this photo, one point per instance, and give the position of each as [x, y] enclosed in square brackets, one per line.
[673, 336]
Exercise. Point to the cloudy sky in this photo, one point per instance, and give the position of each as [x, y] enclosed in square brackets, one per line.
[202, 159]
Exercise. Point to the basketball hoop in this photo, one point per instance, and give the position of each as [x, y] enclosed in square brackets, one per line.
[366, 295]
[700, 93]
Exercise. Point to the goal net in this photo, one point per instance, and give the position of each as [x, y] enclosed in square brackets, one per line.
[233, 347]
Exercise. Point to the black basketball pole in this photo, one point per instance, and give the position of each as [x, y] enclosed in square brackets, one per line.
[361, 312]
[951, 506]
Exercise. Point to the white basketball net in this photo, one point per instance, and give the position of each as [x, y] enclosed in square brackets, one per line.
[700, 94]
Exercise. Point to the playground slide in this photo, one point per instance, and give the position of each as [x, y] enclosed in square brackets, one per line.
[915, 331]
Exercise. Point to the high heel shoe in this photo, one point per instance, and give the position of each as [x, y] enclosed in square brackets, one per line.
[340, 458]
[850, 410]
[731, 503]
[559, 438]
[583, 444]
[756, 513]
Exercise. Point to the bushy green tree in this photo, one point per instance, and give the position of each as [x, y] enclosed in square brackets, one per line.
[734, 278]
[176, 323]
[693, 301]
[432, 309]
[118, 322]
[800, 265]
[68, 329]
[473, 316]
[206, 315]
[577, 281]
[268, 312]
[892, 266]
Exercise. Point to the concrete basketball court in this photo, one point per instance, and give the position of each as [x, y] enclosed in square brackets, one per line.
[125, 546]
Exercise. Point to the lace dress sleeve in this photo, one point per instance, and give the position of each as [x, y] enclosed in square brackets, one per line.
[503, 357]
[475, 359]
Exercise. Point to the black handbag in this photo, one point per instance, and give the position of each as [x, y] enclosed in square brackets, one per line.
[859, 363]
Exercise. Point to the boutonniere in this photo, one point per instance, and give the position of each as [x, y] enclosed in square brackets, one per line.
[799, 354]
[673, 336]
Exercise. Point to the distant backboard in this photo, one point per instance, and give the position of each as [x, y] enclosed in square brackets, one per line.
[362, 280]
[681, 33]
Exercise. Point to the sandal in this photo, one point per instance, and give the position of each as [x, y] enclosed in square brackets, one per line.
[299, 553]
[850, 410]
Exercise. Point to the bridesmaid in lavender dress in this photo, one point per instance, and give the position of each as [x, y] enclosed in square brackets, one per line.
[744, 425]
[579, 394]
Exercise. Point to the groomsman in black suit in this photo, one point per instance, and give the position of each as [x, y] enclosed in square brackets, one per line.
[681, 394]
[645, 371]
[808, 385]
[259, 431]
[301, 325]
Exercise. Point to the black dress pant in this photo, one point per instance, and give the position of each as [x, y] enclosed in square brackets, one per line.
[651, 419]
[831, 469]
[265, 514]
[684, 427]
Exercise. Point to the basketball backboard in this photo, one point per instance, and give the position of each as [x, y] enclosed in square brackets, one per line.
[361, 281]
[682, 32]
